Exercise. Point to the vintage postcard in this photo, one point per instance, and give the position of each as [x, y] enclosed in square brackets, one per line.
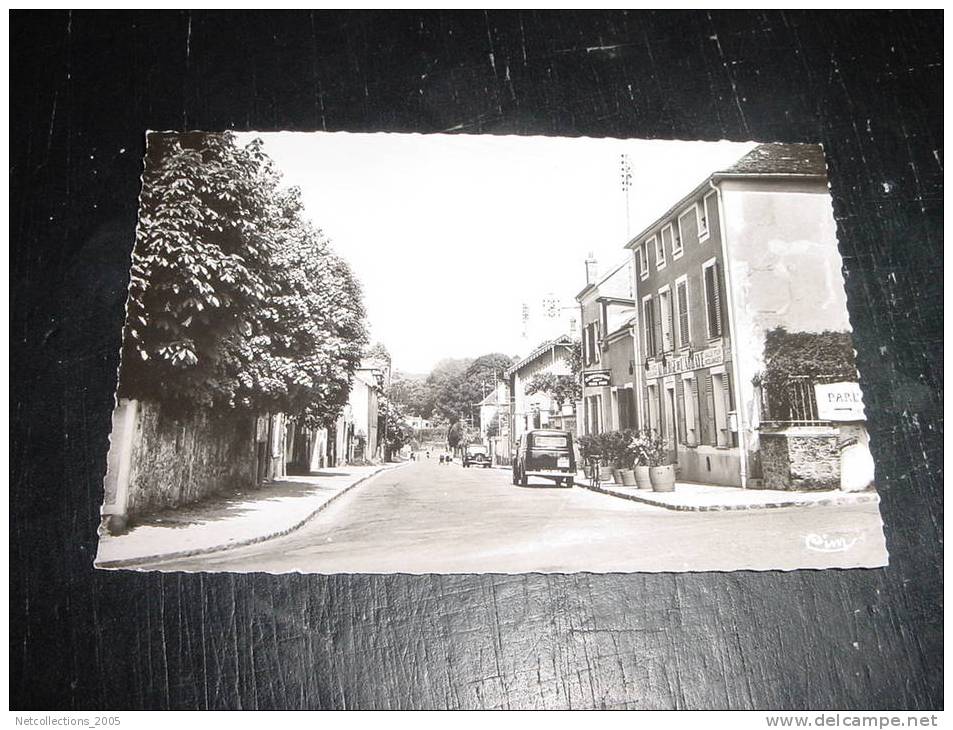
[405, 353]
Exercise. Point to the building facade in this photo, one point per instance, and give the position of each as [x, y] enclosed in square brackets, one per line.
[685, 340]
[609, 375]
[750, 251]
[538, 410]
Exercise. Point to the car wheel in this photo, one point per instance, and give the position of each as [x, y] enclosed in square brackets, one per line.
[570, 482]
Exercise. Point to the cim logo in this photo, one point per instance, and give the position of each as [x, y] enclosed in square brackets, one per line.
[824, 543]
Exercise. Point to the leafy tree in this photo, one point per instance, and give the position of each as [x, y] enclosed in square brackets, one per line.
[459, 393]
[412, 394]
[456, 436]
[378, 351]
[397, 432]
[561, 389]
[309, 337]
[792, 358]
[444, 384]
[235, 298]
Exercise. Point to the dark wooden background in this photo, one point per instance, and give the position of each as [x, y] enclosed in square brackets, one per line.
[86, 86]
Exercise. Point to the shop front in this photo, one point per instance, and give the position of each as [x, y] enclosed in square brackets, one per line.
[689, 401]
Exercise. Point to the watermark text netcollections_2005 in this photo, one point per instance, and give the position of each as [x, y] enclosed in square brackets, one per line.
[67, 721]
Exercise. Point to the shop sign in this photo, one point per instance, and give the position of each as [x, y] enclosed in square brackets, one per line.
[673, 365]
[839, 402]
[596, 378]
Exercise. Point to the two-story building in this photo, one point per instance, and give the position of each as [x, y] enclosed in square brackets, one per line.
[608, 315]
[529, 410]
[750, 250]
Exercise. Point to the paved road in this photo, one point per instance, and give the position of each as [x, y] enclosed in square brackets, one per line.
[432, 518]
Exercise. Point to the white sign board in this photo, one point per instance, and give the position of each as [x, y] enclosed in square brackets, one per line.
[840, 402]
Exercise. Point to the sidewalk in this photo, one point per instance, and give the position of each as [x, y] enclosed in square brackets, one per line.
[692, 497]
[232, 519]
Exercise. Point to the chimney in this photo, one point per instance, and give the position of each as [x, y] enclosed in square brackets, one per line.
[591, 269]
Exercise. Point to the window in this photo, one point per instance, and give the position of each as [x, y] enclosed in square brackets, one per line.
[643, 262]
[681, 302]
[680, 231]
[719, 399]
[710, 274]
[591, 341]
[648, 326]
[703, 213]
[666, 319]
[690, 398]
[657, 243]
[653, 404]
[549, 441]
[667, 241]
[626, 407]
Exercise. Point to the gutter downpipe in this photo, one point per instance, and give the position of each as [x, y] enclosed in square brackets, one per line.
[735, 360]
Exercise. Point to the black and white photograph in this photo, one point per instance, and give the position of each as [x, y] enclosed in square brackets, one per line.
[405, 353]
[476, 359]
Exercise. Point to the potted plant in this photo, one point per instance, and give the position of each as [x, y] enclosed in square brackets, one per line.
[613, 444]
[627, 456]
[589, 450]
[639, 446]
[661, 471]
[605, 461]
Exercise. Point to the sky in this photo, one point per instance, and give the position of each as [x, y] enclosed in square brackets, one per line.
[452, 235]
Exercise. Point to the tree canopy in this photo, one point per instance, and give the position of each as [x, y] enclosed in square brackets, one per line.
[235, 299]
[459, 392]
[562, 389]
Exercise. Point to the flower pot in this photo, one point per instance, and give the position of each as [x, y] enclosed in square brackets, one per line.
[642, 478]
[617, 475]
[663, 478]
[605, 474]
[628, 477]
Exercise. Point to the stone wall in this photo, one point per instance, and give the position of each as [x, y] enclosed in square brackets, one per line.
[176, 459]
[799, 460]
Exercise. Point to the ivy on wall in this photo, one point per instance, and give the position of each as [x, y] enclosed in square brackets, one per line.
[795, 361]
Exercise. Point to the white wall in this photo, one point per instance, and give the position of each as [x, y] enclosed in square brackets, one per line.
[783, 268]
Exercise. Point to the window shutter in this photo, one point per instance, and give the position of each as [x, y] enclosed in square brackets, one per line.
[709, 301]
[710, 437]
[657, 316]
[680, 407]
[671, 321]
[728, 400]
[696, 416]
[716, 289]
[729, 394]
[649, 327]
[683, 314]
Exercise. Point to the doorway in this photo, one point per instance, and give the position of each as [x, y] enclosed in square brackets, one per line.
[671, 421]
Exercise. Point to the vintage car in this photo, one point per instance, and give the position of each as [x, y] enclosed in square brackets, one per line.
[476, 455]
[544, 453]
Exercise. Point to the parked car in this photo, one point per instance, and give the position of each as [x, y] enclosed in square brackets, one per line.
[544, 453]
[476, 455]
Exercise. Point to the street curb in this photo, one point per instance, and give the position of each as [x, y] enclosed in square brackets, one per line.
[860, 498]
[165, 557]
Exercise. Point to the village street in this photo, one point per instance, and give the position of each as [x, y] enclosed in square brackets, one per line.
[431, 518]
